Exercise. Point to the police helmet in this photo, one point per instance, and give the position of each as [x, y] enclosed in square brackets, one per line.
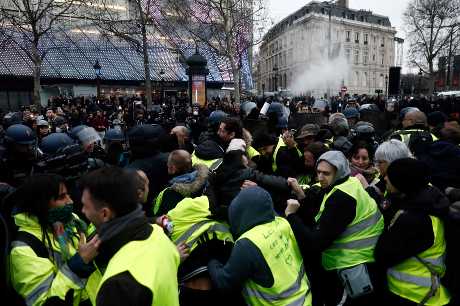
[12, 118]
[42, 122]
[216, 117]
[114, 135]
[351, 112]
[20, 134]
[77, 129]
[55, 142]
[146, 132]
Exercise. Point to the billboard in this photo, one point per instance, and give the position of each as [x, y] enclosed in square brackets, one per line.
[199, 90]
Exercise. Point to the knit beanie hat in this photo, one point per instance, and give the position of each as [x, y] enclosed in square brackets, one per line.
[408, 175]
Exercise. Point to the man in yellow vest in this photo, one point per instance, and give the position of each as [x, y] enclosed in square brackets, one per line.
[191, 224]
[413, 122]
[344, 232]
[133, 269]
[266, 259]
[413, 247]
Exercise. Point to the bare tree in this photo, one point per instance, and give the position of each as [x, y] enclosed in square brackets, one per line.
[134, 27]
[230, 28]
[32, 20]
[431, 26]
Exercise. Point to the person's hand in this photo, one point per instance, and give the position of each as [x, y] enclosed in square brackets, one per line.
[184, 251]
[88, 250]
[248, 183]
[289, 140]
[294, 184]
[292, 207]
[362, 180]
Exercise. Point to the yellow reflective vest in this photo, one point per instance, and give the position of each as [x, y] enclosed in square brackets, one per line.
[412, 278]
[279, 145]
[356, 244]
[37, 279]
[191, 219]
[153, 263]
[277, 243]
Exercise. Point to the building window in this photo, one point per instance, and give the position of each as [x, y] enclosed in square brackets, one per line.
[348, 34]
[383, 42]
[357, 78]
[365, 80]
[383, 58]
[366, 57]
[356, 57]
[366, 39]
[357, 37]
[373, 58]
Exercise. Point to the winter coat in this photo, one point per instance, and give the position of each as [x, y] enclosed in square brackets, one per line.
[227, 180]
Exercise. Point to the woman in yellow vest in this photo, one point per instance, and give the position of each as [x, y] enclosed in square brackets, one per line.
[265, 260]
[50, 260]
[412, 248]
[343, 234]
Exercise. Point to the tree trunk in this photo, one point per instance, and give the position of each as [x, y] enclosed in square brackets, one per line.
[145, 53]
[148, 81]
[236, 81]
[36, 71]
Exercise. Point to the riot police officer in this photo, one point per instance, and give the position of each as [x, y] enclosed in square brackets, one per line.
[20, 153]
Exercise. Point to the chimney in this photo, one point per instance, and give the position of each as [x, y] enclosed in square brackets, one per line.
[342, 3]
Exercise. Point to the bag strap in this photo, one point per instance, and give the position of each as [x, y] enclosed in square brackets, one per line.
[435, 282]
[37, 246]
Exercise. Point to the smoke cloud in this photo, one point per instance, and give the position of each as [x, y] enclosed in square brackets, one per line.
[321, 75]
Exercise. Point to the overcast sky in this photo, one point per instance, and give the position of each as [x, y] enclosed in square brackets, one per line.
[278, 9]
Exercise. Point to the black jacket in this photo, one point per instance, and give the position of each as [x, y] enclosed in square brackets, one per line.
[156, 169]
[226, 182]
[412, 232]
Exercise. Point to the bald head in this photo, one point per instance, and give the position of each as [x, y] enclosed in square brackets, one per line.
[179, 162]
[414, 118]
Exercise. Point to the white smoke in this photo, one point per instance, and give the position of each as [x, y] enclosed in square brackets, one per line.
[320, 76]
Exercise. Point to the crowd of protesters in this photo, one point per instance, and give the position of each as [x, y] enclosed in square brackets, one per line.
[111, 202]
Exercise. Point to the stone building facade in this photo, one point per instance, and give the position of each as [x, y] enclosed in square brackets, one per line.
[322, 33]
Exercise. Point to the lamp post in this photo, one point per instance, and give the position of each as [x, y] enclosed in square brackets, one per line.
[420, 74]
[386, 87]
[275, 71]
[263, 91]
[97, 69]
[162, 72]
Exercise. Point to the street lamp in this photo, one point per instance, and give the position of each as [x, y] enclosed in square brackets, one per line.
[275, 71]
[162, 72]
[386, 87]
[97, 69]
[263, 91]
[420, 74]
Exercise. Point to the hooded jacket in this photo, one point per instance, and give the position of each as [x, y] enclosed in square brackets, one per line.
[189, 185]
[412, 232]
[339, 211]
[246, 260]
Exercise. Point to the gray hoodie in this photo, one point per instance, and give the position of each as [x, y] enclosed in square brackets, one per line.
[340, 163]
